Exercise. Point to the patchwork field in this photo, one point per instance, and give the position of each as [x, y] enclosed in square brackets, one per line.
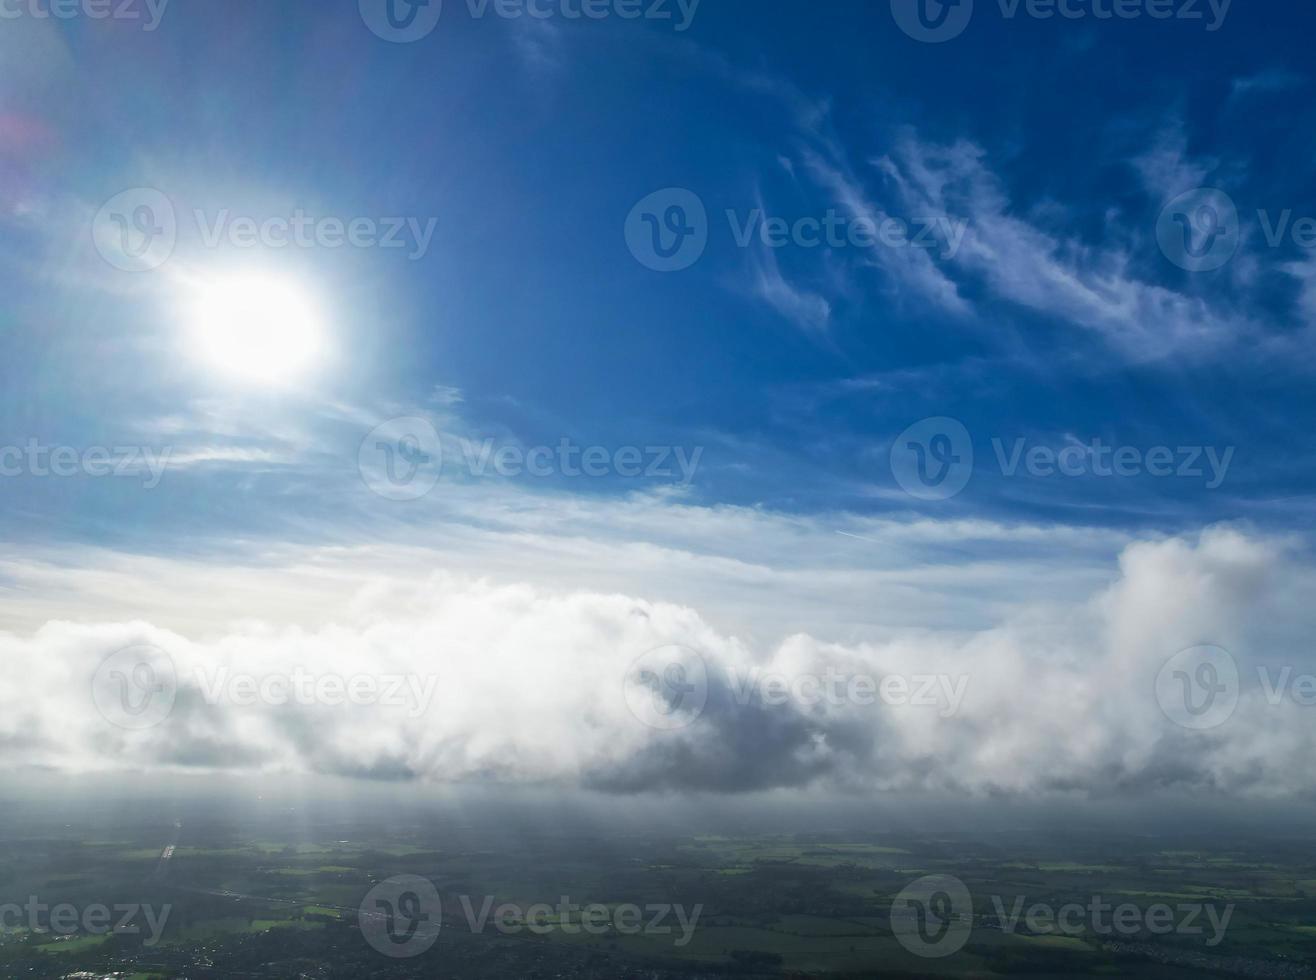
[756, 905]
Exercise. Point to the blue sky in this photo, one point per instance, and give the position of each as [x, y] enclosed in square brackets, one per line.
[1056, 143]
[1051, 161]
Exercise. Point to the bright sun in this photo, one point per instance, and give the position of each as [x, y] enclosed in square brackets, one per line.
[256, 328]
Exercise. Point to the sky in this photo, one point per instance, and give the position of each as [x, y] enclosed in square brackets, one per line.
[494, 347]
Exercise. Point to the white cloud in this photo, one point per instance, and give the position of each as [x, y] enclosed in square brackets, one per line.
[750, 571]
[1167, 170]
[530, 689]
[913, 268]
[1021, 259]
[1271, 80]
[808, 311]
[1046, 271]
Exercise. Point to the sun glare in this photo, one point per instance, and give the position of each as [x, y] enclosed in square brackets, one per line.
[257, 328]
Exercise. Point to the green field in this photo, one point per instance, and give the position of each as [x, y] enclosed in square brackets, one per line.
[772, 904]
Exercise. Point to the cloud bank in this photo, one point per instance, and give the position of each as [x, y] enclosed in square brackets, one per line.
[519, 684]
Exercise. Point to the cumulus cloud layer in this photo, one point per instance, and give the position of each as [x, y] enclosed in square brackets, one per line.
[519, 684]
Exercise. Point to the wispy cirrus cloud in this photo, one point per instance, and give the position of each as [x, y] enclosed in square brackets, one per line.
[1168, 168]
[808, 310]
[1048, 272]
[1031, 260]
[1263, 82]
